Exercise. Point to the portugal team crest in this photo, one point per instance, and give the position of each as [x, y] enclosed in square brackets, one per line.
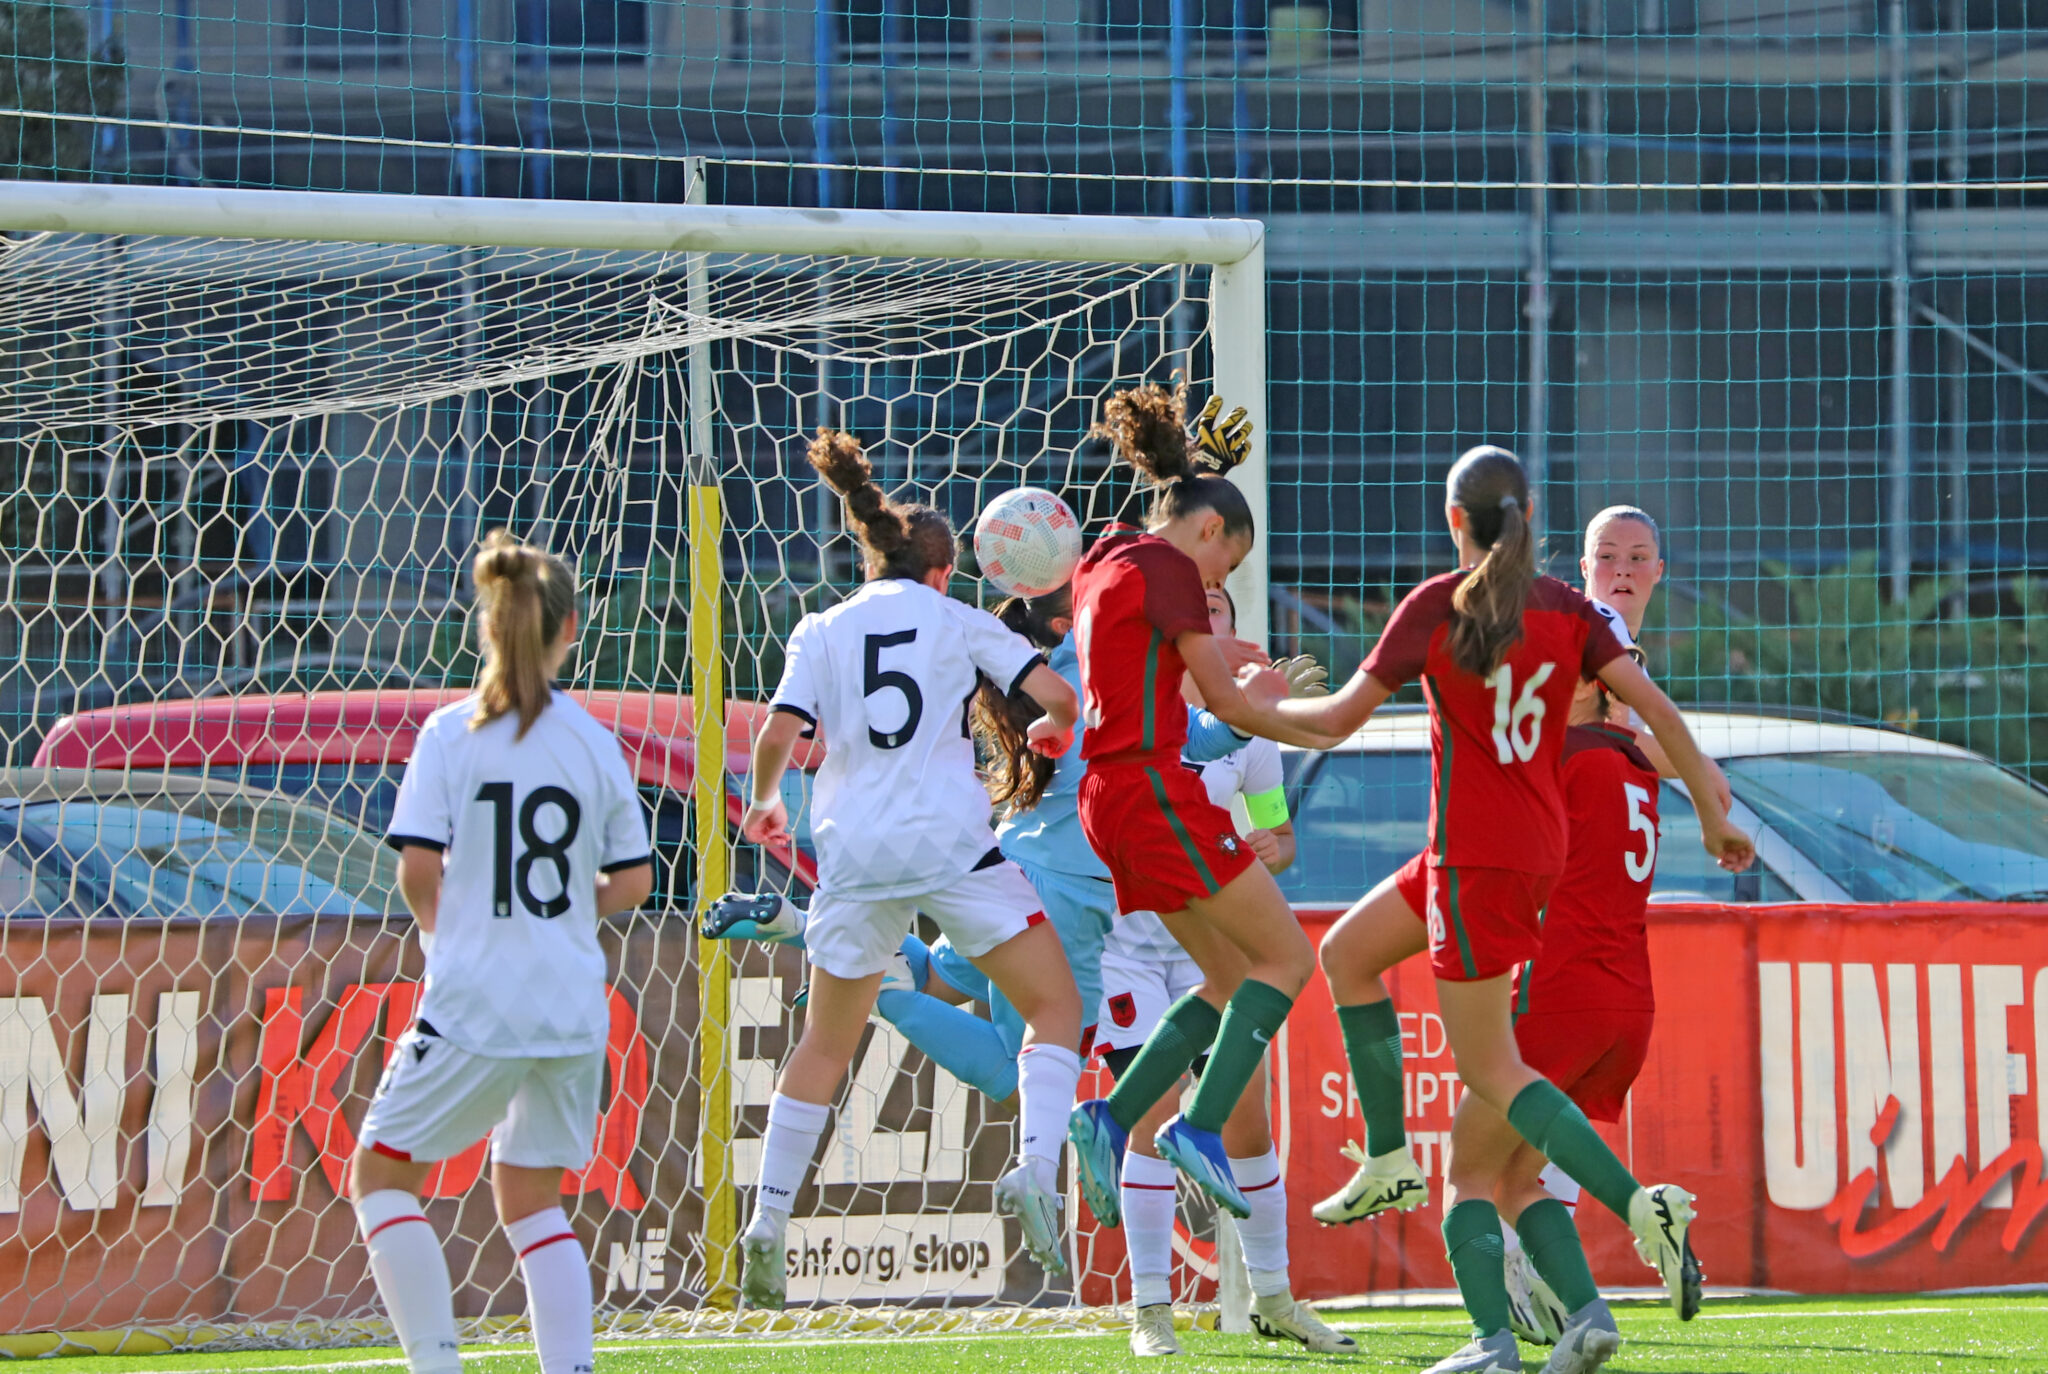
[1227, 843]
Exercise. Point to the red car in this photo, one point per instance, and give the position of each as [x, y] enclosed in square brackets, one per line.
[348, 749]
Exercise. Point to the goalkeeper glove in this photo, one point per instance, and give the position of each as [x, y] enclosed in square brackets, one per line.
[1227, 441]
[1305, 677]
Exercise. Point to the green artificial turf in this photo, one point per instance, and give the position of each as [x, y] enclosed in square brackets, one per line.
[1991, 1334]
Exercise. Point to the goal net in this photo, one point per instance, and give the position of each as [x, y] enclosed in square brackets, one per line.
[247, 467]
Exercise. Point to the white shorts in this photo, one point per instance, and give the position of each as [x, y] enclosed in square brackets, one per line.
[436, 1100]
[852, 938]
[1136, 991]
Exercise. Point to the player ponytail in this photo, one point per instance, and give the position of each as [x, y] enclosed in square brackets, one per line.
[1489, 486]
[899, 540]
[526, 595]
[1148, 426]
[1017, 777]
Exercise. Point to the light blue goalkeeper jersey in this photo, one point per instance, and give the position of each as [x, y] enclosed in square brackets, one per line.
[1049, 834]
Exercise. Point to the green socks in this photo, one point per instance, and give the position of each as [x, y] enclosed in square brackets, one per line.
[1553, 1246]
[1256, 1013]
[1188, 1028]
[1372, 1042]
[1550, 1121]
[1472, 1242]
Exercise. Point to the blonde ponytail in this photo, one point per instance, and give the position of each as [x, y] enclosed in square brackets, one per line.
[525, 595]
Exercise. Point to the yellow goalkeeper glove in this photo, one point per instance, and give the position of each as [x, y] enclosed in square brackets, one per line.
[1227, 441]
[1305, 677]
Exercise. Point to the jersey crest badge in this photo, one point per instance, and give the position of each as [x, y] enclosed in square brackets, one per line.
[1123, 1009]
[1228, 844]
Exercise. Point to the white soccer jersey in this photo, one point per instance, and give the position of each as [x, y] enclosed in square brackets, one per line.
[1247, 773]
[524, 826]
[888, 675]
[1620, 627]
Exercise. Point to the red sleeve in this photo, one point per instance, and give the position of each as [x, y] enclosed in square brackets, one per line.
[1175, 602]
[1603, 646]
[1403, 648]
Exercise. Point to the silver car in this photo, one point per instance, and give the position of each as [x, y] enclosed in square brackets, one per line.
[1840, 812]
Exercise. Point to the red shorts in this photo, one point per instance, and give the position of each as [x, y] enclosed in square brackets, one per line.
[1592, 1056]
[1411, 880]
[1165, 842]
[1484, 921]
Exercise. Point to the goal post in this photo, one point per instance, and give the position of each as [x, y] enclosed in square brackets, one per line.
[255, 435]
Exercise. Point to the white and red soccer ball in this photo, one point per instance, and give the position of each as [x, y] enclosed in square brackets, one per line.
[1027, 542]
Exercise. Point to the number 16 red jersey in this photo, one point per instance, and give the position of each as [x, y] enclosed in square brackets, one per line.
[1495, 743]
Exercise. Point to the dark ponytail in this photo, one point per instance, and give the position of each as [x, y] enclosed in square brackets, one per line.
[901, 541]
[1017, 778]
[1148, 425]
[1488, 484]
[526, 595]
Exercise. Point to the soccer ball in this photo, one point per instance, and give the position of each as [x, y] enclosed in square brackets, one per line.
[1027, 542]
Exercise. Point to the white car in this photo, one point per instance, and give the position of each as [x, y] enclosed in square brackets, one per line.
[1840, 812]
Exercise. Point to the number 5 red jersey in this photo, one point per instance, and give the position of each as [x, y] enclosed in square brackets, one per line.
[1596, 947]
[1495, 743]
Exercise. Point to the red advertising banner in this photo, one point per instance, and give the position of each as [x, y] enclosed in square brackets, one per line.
[1854, 1094]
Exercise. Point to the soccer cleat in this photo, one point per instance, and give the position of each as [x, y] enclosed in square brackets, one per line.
[1200, 1155]
[754, 916]
[1495, 1354]
[1152, 1331]
[764, 1279]
[1382, 1183]
[1534, 1312]
[1099, 1155]
[1693, 1280]
[1661, 1216]
[1589, 1340]
[1023, 1194]
[1278, 1317]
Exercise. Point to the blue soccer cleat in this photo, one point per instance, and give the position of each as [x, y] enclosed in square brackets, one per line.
[1099, 1155]
[766, 916]
[1199, 1154]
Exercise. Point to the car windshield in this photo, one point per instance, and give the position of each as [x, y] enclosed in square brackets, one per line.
[217, 854]
[1687, 873]
[360, 792]
[1357, 818]
[1905, 826]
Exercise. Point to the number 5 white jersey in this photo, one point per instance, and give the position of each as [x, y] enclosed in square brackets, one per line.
[524, 827]
[889, 674]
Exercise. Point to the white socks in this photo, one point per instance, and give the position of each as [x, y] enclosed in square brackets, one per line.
[557, 1275]
[1148, 1202]
[1264, 1232]
[412, 1278]
[786, 1150]
[1561, 1186]
[1047, 1076]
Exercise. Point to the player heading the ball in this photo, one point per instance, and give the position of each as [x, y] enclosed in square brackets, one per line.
[901, 825]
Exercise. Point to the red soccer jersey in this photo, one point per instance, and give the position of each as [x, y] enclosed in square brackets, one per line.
[1494, 744]
[1596, 947]
[1134, 594]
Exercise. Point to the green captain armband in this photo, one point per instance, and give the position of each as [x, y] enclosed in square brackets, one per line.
[1267, 809]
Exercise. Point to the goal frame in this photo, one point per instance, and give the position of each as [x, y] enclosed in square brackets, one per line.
[1233, 249]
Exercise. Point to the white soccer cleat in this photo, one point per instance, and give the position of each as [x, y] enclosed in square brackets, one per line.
[1661, 1216]
[1534, 1311]
[1023, 1194]
[1278, 1317]
[1495, 1354]
[1589, 1340]
[1152, 1332]
[764, 1259]
[1382, 1183]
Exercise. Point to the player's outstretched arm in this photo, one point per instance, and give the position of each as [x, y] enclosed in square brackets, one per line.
[767, 819]
[1052, 732]
[419, 882]
[1260, 707]
[1703, 779]
[624, 890]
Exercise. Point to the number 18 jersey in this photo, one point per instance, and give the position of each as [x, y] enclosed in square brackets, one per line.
[524, 826]
[1495, 743]
[888, 674]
